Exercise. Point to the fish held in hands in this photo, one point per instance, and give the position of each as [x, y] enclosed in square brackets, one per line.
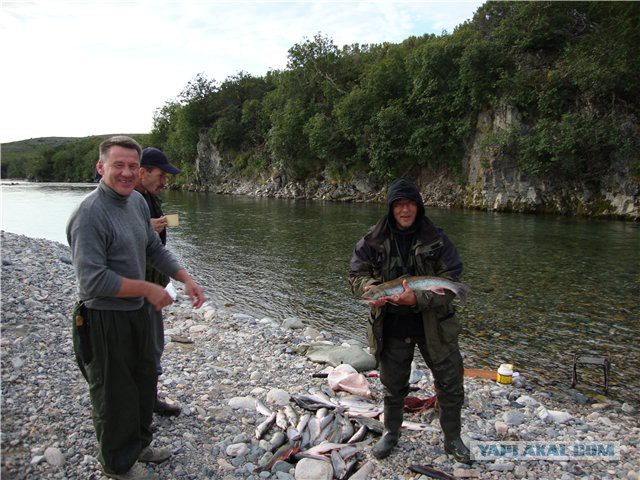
[437, 285]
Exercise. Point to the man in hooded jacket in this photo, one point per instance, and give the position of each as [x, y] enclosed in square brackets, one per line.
[405, 243]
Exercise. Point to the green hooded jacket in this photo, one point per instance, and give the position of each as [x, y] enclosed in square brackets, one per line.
[433, 254]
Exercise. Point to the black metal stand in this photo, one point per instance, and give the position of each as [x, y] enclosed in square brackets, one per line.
[592, 360]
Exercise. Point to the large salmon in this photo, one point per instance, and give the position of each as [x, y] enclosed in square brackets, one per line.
[433, 284]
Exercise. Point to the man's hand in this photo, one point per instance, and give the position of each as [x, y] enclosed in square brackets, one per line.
[195, 293]
[159, 224]
[191, 288]
[407, 297]
[157, 296]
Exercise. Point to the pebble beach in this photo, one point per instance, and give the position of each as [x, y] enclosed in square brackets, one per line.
[218, 362]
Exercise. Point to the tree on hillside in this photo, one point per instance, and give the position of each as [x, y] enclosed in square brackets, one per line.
[573, 73]
[569, 68]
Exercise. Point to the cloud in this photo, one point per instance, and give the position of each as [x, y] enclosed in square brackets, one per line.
[77, 68]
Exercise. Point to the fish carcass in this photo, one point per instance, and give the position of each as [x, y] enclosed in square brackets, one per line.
[346, 378]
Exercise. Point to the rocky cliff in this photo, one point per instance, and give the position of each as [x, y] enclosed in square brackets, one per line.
[494, 182]
[491, 181]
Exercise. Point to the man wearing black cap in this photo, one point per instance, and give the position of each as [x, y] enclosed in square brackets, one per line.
[405, 243]
[153, 178]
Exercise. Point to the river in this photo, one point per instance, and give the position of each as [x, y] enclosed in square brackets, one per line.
[543, 287]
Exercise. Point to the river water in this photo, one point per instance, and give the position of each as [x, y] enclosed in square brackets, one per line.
[543, 288]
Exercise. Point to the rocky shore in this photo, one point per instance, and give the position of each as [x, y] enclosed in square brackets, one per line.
[488, 181]
[229, 361]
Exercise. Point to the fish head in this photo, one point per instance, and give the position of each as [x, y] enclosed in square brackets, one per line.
[370, 294]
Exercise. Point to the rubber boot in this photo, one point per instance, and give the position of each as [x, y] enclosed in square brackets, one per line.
[392, 424]
[450, 422]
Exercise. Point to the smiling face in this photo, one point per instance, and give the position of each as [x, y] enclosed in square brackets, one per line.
[405, 212]
[120, 169]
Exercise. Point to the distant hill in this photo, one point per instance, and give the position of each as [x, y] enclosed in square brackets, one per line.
[35, 143]
[54, 158]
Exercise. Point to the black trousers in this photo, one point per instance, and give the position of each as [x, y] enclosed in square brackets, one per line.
[122, 377]
[395, 371]
[156, 330]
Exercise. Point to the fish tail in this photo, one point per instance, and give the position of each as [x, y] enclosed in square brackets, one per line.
[462, 295]
[462, 292]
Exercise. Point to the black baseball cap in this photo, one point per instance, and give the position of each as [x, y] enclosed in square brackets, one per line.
[153, 157]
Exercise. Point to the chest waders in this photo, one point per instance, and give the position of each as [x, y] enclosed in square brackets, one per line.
[395, 370]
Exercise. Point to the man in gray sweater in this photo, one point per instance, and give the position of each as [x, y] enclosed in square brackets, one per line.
[111, 240]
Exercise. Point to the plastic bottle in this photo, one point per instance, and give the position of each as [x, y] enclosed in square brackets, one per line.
[505, 373]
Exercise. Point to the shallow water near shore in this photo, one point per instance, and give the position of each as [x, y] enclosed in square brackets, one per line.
[543, 288]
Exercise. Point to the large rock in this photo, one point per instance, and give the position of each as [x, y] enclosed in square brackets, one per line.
[334, 356]
[246, 403]
[277, 396]
[513, 417]
[363, 183]
[553, 416]
[292, 323]
[208, 161]
[312, 469]
[237, 449]
[54, 457]
[527, 401]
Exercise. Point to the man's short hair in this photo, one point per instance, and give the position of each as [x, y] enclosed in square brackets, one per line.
[118, 141]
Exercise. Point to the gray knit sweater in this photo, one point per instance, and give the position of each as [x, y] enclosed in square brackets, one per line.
[111, 237]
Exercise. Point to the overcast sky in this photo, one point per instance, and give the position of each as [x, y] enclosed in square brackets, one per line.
[79, 68]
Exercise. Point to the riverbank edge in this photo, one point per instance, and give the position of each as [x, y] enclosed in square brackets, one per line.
[42, 388]
[440, 191]
[436, 196]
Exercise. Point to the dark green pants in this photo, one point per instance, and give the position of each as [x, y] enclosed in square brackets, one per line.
[121, 374]
[156, 331]
[395, 371]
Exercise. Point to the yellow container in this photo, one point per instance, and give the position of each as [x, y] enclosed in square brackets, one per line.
[505, 373]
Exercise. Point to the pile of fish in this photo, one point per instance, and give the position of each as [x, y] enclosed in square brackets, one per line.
[326, 427]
